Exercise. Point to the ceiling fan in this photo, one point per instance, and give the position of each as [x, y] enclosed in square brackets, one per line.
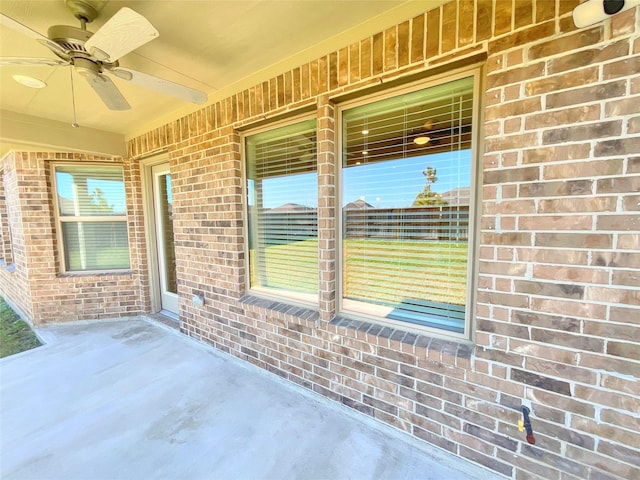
[94, 54]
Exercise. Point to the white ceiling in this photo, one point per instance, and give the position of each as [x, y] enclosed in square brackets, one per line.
[214, 46]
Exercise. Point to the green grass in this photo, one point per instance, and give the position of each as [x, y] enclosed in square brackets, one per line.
[381, 271]
[103, 259]
[290, 266]
[15, 335]
[391, 271]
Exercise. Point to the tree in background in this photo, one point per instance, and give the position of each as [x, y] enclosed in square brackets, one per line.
[99, 202]
[428, 198]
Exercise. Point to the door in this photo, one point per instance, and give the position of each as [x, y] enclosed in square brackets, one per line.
[165, 248]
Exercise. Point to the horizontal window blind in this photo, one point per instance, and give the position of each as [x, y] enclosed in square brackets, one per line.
[406, 200]
[95, 245]
[282, 209]
[92, 217]
[90, 191]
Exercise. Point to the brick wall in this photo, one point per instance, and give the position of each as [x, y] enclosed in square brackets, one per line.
[14, 284]
[34, 284]
[558, 302]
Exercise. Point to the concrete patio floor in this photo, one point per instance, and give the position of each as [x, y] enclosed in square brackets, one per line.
[133, 399]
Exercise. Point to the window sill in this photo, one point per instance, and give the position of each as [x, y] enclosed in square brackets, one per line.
[282, 310]
[449, 352]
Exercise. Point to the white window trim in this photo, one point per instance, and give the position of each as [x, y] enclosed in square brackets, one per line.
[61, 219]
[369, 312]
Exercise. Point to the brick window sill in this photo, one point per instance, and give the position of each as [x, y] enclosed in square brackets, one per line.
[449, 352]
[308, 317]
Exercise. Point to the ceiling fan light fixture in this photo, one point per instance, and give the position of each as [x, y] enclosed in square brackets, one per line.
[28, 81]
[421, 140]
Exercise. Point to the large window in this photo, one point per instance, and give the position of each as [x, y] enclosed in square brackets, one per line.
[282, 190]
[91, 215]
[407, 204]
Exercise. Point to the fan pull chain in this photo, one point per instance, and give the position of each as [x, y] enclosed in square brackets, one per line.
[73, 101]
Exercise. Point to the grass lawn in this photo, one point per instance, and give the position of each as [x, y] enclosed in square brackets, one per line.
[101, 259]
[382, 271]
[15, 335]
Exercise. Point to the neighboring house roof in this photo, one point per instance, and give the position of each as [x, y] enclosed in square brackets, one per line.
[290, 208]
[457, 196]
[358, 205]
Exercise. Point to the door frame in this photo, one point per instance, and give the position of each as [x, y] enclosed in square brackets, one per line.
[149, 214]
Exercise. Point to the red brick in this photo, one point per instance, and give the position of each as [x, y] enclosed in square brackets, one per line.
[433, 33]
[618, 469]
[465, 23]
[574, 240]
[568, 116]
[390, 49]
[589, 94]
[563, 81]
[449, 27]
[556, 222]
[580, 169]
[621, 68]
[582, 132]
[618, 223]
[616, 417]
[584, 58]
[417, 38]
[577, 205]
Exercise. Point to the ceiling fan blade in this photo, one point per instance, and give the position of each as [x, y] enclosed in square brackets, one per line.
[24, 30]
[31, 62]
[160, 85]
[108, 92]
[123, 33]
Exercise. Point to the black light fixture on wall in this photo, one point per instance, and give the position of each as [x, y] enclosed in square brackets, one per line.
[594, 11]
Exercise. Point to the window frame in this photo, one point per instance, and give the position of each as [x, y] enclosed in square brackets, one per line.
[286, 296]
[367, 311]
[61, 219]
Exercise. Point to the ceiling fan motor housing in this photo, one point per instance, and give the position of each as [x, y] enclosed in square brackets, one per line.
[72, 40]
[69, 38]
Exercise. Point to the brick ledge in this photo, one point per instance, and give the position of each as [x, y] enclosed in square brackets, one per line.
[447, 351]
[296, 313]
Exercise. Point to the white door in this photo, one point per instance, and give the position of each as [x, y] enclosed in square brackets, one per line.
[163, 213]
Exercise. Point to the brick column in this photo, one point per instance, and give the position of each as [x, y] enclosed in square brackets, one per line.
[326, 209]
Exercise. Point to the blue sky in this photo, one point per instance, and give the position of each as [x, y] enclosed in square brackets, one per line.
[113, 190]
[387, 184]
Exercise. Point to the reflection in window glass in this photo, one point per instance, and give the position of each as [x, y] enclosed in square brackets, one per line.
[406, 197]
[282, 209]
[92, 216]
[90, 191]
